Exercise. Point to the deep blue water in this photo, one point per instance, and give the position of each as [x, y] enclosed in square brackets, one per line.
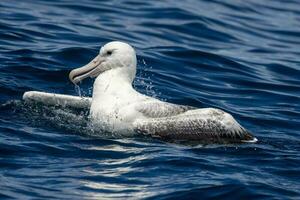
[240, 56]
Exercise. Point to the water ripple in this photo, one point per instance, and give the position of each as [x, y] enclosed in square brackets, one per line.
[242, 57]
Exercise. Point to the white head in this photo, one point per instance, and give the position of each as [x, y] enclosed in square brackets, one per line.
[113, 55]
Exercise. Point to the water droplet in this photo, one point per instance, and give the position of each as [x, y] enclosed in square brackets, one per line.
[78, 90]
[144, 62]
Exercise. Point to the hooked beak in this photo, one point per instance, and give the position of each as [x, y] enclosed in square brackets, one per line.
[91, 69]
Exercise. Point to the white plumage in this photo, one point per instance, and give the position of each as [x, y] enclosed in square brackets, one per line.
[117, 107]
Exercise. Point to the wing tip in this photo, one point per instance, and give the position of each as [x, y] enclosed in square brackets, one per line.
[30, 95]
[252, 140]
[248, 137]
[27, 95]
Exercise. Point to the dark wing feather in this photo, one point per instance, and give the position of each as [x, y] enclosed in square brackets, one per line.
[204, 125]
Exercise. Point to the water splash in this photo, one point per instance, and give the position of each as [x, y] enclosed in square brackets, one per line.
[72, 120]
[143, 79]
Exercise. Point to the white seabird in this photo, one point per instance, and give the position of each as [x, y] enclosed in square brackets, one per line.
[117, 107]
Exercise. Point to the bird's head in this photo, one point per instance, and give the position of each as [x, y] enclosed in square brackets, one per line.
[111, 56]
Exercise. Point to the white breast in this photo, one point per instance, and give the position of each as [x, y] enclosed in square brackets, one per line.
[113, 101]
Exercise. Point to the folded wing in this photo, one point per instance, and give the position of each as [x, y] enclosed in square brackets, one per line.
[154, 108]
[175, 122]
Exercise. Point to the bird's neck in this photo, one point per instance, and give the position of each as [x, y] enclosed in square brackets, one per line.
[113, 83]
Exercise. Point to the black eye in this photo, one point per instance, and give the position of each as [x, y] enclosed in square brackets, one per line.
[109, 53]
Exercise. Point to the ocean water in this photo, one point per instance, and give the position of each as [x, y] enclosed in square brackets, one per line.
[240, 56]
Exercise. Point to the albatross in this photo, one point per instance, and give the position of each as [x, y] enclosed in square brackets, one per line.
[117, 107]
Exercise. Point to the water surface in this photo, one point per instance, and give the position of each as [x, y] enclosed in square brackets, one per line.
[240, 56]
